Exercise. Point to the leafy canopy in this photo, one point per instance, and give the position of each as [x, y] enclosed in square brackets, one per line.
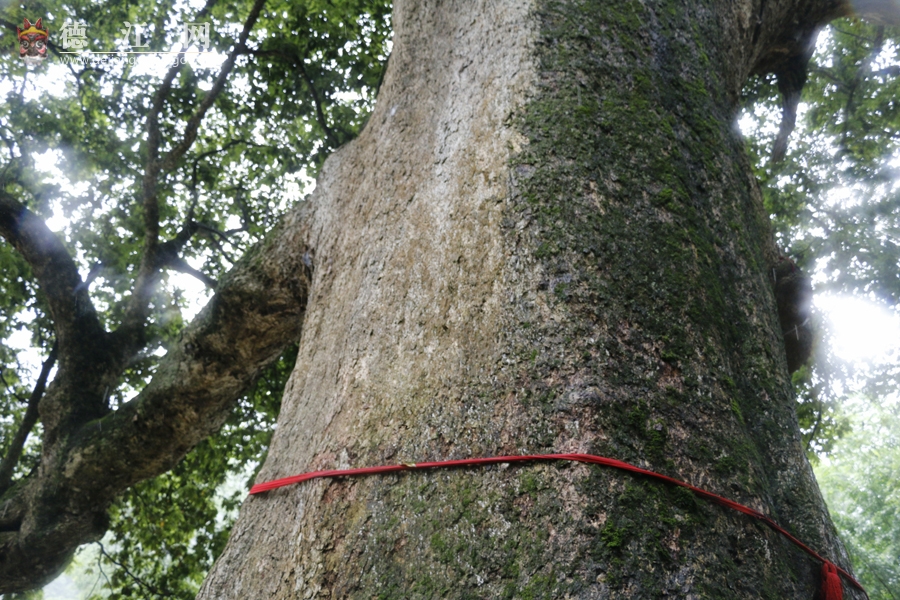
[75, 150]
[835, 204]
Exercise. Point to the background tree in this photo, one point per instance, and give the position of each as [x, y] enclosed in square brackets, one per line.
[549, 394]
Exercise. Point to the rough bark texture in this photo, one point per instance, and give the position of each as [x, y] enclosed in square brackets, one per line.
[547, 238]
[91, 456]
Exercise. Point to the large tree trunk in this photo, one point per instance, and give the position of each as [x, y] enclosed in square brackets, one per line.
[547, 239]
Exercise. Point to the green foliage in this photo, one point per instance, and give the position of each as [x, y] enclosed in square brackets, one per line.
[862, 488]
[166, 532]
[822, 421]
[73, 144]
[73, 148]
[834, 201]
[835, 204]
[78, 150]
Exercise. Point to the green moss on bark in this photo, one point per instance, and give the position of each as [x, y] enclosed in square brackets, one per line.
[636, 323]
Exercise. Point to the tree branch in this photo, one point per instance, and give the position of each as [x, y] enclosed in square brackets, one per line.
[886, 11]
[891, 71]
[148, 272]
[215, 241]
[70, 306]
[28, 421]
[195, 193]
[853, 86]
[190, 132]
[134, 577]
[87, 361]
[136, 313]
[180, 265]
[255, 314]
[320, 113]
[815, 429]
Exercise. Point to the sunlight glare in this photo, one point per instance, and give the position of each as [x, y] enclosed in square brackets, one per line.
[193, 291]
[860, 329]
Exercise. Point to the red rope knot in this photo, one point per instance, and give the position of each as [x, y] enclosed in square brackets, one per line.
[831, 583]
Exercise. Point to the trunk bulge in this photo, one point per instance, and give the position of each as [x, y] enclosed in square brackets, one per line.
[547, 239]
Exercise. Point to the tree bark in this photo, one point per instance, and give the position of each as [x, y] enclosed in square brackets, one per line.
[547, 239]
[256, 312]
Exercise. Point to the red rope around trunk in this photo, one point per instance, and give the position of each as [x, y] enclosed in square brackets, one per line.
[831, 588]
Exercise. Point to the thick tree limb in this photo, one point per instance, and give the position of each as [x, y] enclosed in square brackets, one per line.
[87, 360]
[886, 11]
[90, 454]
[256, 313]
[70, 306]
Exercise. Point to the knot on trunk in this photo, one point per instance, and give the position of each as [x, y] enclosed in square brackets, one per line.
[793, 295]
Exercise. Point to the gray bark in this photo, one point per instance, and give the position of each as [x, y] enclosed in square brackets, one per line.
[547, 239]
